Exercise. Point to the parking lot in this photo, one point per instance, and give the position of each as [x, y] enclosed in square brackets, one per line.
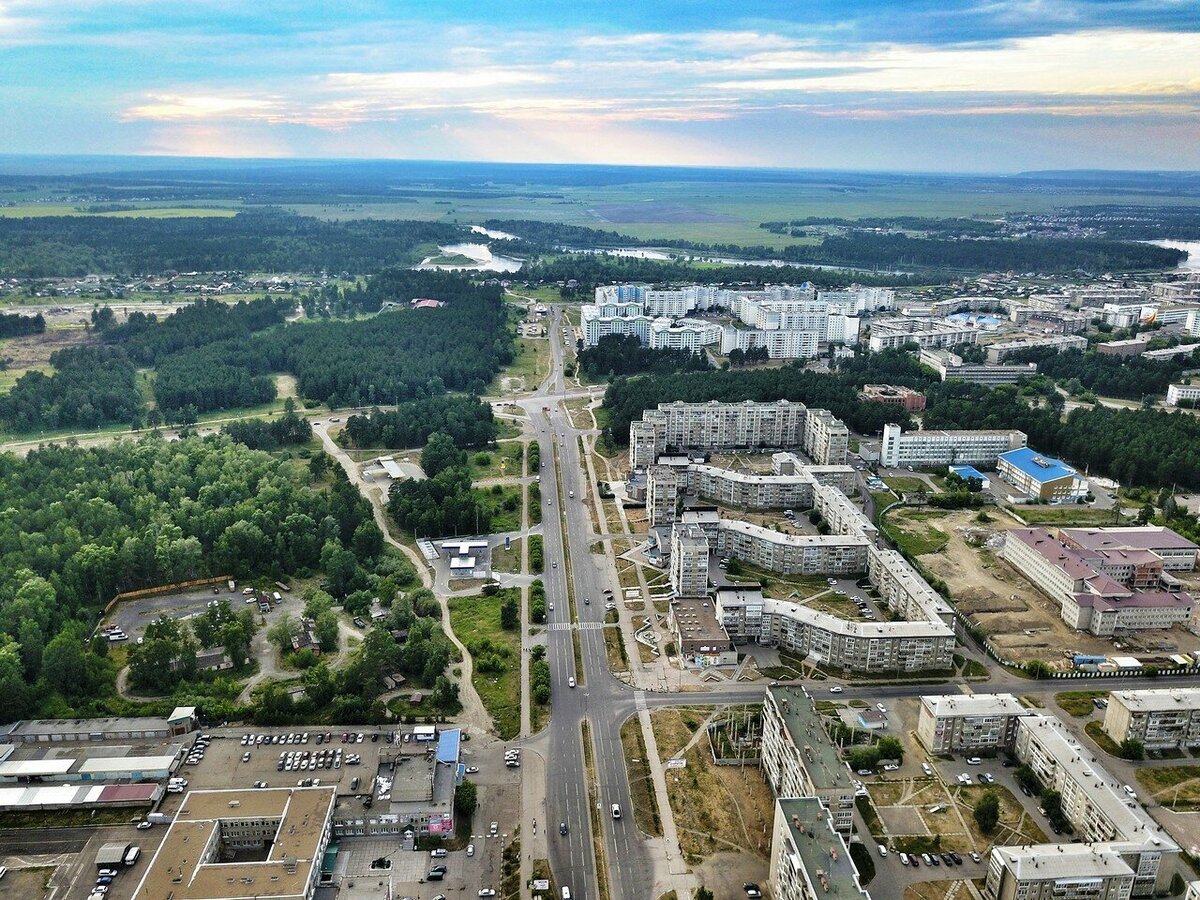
[132, 616]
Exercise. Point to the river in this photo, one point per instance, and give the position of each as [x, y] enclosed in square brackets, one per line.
[1192, 263]
[481, 256]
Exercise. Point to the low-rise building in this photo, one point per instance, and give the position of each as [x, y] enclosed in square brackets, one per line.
[1041, 478]
[999, 352]
[951, 367]
[968, 723]
[1131, 347]
[1183, 394]
[893, 395]
[1159, 717]
[940, 448]
[699, 637]
[114, 728]
[809, 859]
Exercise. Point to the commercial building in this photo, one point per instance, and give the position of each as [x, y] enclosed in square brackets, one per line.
[950, 367]
[699, 637]
[998, 352]
[1183, 394]
[203, 855]
[940, 448]
[798, 757]
[968, 723]
[689, 561]
[1160, 718]
[892, 334]
[1176, 553]
[113, 728]
[809, 859]
[893, 395]
[1041, 478]
[31, 797]
[721, 427]
[1058, 872]
[832, 641]
[1090, 598]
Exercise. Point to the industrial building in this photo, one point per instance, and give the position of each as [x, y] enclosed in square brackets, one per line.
[940, 448]
[968, 723]
[1041, 478]
[1090, 598]
[1160, 718]
[114, 728]
[231, 844]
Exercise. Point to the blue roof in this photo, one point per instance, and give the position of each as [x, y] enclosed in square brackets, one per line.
[968, 472]
[1036, 465]
[447, 748]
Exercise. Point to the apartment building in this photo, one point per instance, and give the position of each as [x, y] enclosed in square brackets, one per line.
[689, 561]
[1183, 394]
[855, 300]
[809, 859]
[900, 396]
[839, 476]
[941, 448]
[1058, 872]
[1160, 718]
[664, 489]
[838, 643]
[998, 352]
[778, 344]
[692, 335]
[950, 367]
[1171, 352]
[892, 334]
[1040, 477]
[1090, 599]
[1177, 291]
[666, 486]
[968, 723]
[798, 757]
[841, 515]
[826, 438]
[792, 554]
[903, 589]
[1124, 349]
[715, 427]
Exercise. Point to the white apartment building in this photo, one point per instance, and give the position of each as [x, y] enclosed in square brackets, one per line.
[891, 334]
[826, 438]
[809, 860]
[941, 448]
[855, 300]
[798, 757]
[903, 589]
[792, 554]
[840, 513]
[689, 561]
[692, 335]
[968, 723]
[1090, 598]
[778, 344]
[1160, 717]
[831, 641]
[1094, 803]
[1058, 872]
[1183, 393]
[950, 367]
[666, 485]
[998, 352]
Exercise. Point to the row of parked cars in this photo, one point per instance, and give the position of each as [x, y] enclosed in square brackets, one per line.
[932, 859]
[303, 760]
[196, 754]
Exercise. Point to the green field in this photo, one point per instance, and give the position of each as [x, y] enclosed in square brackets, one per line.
[476, 622]
[39, 210]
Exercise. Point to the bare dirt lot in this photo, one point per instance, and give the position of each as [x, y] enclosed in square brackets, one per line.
[1021, 621]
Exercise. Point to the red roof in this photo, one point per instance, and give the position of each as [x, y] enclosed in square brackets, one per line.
[124, 793]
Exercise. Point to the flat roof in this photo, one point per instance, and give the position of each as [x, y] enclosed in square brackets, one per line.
[126, 763]
[109, 725]
[1038, 466]
[1156, 699]
[696, 620]
[1063, 862]
[974, 705]
[794, 540]
[186, 867]
[18, 768]
[968, 472]
[447, 747]
[826, 769]
[821, 851]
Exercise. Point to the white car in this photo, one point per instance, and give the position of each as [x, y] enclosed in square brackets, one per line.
[881, 708]
[571, 681]
[142, 826]
[974, 761]
[470, 849]
[890, 767]
[836, 689]
[1129, 790]
[616, 810]
[487, 892]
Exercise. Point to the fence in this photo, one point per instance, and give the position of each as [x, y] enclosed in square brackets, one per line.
[164, 589]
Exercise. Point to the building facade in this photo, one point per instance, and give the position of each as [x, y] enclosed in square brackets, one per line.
[1160, 718]
[968, 723]
[1041, 478]
[941, 448]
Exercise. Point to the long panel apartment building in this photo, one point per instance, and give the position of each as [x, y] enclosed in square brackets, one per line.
[942, 448]
[892, 334]
[1160, 718]
[809, 859]
[721, 427]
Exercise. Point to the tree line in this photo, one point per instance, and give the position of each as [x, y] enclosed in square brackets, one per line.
[1132, 377]
[256, 240]
[90, 387]
[443, 502]
[18, 326]
[623, 354]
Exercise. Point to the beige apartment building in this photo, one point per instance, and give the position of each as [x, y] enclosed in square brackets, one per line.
[1160, 717]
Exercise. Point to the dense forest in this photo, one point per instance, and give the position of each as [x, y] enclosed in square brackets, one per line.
[90, 387]
[1135, 447]
[400, 354]
[443, 503]
[623, 354]
[148, 339]
[259, 240]
[271, 434]
[467, 420]
[626, 398]
[84, 524]
[1131, 377]
[18, 326]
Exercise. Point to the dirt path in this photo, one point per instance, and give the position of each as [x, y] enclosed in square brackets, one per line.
[473, 711]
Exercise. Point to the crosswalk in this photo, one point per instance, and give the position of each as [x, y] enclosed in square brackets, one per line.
[639, 698]
[580, 626]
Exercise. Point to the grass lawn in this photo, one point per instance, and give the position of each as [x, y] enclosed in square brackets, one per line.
[1068, 514]
[1096, 732]
[906, 484]
[476, 621]
[530, 365]
[507, 560]
[641, 787]
[911, 533]
[1079, 703]
[503, 462]
[1177, 787]
[504, 504]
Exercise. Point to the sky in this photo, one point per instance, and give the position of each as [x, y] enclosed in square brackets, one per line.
[927, 85]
